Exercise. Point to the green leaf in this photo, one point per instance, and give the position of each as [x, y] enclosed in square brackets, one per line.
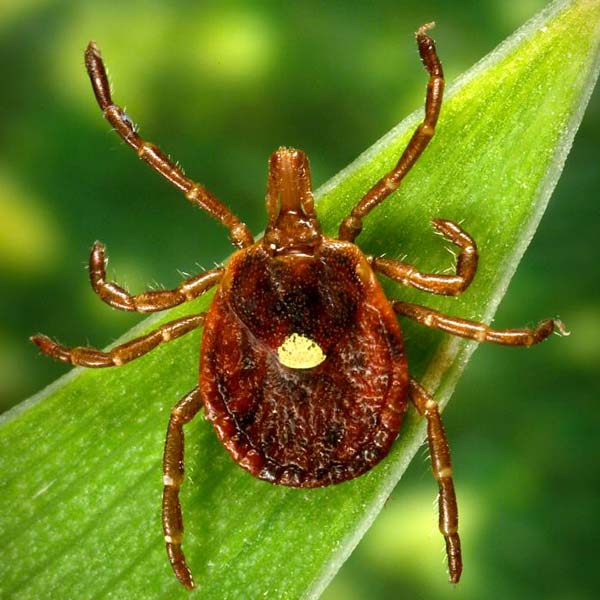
[81, 482]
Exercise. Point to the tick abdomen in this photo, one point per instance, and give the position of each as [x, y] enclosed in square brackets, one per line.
[314, 425]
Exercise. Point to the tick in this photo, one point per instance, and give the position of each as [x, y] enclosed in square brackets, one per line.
[303, 372]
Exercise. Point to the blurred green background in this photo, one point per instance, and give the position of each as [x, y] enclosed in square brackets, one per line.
[220, 85]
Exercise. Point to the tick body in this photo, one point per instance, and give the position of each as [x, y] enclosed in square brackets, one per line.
[313, 425]
[303, 372]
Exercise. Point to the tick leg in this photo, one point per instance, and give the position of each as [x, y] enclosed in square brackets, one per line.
[448, 285]
[479, 331]
[442, 471]
[352, 225]
[172, 520]
[90, 357]
[146, 302]
[238, 232]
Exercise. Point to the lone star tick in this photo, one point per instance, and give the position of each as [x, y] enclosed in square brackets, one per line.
[302, 366]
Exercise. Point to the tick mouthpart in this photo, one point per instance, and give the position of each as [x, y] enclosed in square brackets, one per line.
[292, 227]
[293, 234]
[289, 181]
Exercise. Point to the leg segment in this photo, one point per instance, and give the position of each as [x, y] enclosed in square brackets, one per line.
[442, 471]
[146, 302]
[479, 331]
[172, 520]
[352, 225]
[448, 285]
[90, 357]
[149, 153]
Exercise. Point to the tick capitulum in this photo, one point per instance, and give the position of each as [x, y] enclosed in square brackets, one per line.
[302, 366]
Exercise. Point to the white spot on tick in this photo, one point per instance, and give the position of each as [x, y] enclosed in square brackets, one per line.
[300, 352]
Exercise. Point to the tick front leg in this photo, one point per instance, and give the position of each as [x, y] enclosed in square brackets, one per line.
[90, 357]
[448, 285]
[147, 302]
[238, 232]
[479, 331]
[352, 225]
[173, 471]
[442, 471]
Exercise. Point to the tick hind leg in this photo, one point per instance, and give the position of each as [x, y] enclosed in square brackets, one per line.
[90, 357]
[442, 471]
[448, 285]
[479, 331]
[352, 225]
[238, 232]
[173, 471]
